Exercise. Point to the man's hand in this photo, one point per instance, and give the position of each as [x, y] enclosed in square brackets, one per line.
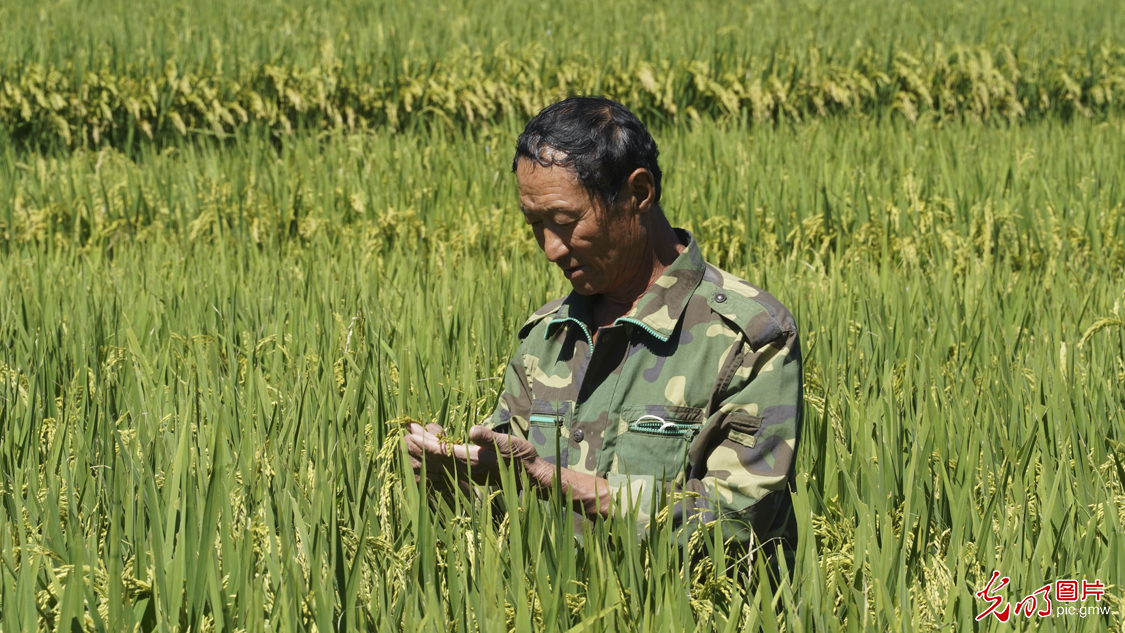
[477, 461]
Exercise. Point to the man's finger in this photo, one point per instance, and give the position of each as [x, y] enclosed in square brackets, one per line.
[435, 428]
[414, 447]
[464, 452]
[425, 442]
[489, 439]
[482, 436]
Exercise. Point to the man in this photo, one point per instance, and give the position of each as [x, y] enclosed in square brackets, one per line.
[657, 370]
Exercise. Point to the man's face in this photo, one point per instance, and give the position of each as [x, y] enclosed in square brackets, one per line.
[596, 248]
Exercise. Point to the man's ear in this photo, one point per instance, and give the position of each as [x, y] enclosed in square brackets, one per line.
[640, 190]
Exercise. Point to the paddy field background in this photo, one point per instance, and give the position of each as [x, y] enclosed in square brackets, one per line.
[241, 246]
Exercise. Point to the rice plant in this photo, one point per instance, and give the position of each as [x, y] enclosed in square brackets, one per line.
[209, 352]
[243, 245]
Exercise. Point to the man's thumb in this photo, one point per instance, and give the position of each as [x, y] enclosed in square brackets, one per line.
[482, 436]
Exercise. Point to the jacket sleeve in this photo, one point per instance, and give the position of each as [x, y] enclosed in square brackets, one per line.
[742, 463]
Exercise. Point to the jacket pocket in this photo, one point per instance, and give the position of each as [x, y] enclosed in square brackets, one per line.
[742, 428]
[736, 427]
[654, 440]
[549, 429]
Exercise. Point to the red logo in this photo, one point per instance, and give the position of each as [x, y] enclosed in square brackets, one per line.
[986, 594]
[1031, 603]
[1096, 589]
[1067, 590]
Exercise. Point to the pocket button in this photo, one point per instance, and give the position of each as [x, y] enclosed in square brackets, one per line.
[577, 435]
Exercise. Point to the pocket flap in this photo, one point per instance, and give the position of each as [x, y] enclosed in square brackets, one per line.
[738, 426]
[549, 431]
[743, 428]
[662, 412]
[665, 420]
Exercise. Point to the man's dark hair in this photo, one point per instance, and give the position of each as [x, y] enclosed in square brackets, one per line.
[596, 138]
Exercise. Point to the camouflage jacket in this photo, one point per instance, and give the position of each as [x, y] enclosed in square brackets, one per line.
[697, 388]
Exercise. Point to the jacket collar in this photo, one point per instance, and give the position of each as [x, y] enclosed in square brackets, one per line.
[659, 309]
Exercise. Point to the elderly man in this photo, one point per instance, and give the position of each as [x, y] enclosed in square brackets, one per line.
[657, 370]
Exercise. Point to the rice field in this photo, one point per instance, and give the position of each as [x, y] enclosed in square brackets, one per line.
[74, 78]
[209, 344]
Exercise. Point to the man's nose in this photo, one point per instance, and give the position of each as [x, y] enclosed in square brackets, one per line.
[554, 247]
